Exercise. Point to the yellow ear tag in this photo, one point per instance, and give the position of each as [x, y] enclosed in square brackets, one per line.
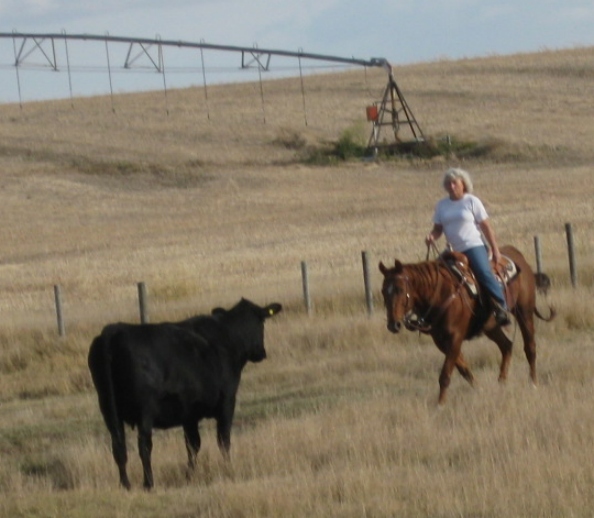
[271, 311]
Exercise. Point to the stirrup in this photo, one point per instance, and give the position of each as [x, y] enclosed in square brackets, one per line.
[501, 316]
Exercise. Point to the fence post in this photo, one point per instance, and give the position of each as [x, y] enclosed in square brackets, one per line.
[537, 251]
[367, 281]
[305, 282]
[572, 269]
[59, 315]
[143, 303]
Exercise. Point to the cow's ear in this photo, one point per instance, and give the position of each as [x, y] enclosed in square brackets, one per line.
[272, 309]
[217, 311]
[382, 268]
[398, 266]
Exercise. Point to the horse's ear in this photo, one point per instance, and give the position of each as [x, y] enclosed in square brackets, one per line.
[397, 267]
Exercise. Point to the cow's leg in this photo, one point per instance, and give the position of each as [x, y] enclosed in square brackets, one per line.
[224, 438]
[120, 455]
[224, 430]
[505, 346]
[145, 448]
[192, 437]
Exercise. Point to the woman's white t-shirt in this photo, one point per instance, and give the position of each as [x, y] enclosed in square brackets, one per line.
[460, 219]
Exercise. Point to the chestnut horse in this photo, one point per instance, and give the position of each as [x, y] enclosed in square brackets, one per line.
[428, 297]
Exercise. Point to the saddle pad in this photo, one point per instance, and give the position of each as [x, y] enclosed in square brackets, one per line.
[507, 269]
[505, 272]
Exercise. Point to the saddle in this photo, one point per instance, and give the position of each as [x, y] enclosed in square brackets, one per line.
[505, 271]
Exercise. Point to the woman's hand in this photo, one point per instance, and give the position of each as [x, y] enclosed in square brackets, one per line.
[434, 235]
[496, 255]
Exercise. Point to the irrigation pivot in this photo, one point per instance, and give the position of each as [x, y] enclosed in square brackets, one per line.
[51, 51]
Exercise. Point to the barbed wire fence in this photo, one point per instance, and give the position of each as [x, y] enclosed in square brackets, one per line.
[369, 293]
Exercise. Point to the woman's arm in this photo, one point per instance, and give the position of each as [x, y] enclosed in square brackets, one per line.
[490, 236]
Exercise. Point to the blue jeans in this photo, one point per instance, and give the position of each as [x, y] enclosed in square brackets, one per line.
[481, 267]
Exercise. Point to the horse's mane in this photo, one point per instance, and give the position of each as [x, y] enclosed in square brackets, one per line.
[425, 275]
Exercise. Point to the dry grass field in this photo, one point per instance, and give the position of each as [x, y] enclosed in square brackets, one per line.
[341, 420]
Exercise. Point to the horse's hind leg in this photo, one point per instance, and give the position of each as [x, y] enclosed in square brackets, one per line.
[526, 323]
[464, 369]
[505, 346]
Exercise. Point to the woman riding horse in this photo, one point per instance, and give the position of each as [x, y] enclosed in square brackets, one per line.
[461, 216]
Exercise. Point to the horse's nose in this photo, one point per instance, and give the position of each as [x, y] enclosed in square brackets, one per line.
[394, 327]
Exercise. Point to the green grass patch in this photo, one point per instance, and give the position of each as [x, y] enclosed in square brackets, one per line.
[352, 146]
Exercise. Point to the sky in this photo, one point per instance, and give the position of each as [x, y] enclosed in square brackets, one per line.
[402, 31]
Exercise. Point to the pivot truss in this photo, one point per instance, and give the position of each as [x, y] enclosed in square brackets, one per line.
[45, 51]
[27, 44]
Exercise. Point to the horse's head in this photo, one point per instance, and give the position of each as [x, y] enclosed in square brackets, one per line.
[395, 291]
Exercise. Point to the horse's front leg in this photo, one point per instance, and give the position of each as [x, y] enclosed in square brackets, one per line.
[464, 370]
[445, 378]
[451, 348]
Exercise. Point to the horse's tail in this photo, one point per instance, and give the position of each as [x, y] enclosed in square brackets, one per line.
[552, 314]
[543, 283]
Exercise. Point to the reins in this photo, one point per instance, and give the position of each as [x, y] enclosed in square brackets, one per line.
[435, 250]
[448, 267]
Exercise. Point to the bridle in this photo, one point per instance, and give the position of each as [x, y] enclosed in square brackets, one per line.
[409, 322]
[421, 323]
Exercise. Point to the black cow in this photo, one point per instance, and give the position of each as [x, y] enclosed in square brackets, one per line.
[175, 374]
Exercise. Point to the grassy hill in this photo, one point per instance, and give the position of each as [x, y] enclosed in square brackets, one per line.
[206, 202]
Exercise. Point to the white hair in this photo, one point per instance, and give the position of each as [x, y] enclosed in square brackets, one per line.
[454, 173]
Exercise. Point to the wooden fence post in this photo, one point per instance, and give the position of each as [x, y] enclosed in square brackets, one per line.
[367, 282]
[537, 251]
[305, 282]
[570, 249]
[59, 314]
[143, 303]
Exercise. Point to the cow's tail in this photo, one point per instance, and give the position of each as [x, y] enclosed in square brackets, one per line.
[100, 365]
